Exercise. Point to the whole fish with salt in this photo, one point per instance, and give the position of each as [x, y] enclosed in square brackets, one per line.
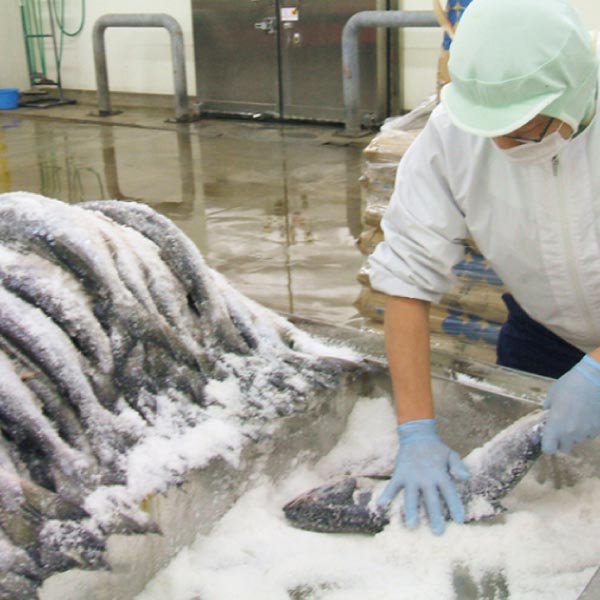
[181, 256]
[112, 332]
[350, 505]
[97, 253]
[60, 296]
[38, 337]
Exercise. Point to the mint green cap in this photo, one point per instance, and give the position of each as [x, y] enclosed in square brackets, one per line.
[511, 60]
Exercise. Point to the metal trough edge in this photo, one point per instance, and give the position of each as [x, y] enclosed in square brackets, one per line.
[184, 511]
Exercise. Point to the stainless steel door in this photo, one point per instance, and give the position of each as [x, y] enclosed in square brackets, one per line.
[236, 52]
[311, 59]
[283, 58]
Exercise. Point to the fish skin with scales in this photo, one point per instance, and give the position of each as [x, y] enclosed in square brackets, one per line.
[112, 331]
[349, 505]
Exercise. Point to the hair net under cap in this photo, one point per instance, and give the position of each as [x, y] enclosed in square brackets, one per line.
[513, 59]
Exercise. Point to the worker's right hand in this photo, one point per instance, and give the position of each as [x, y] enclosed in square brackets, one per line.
[574, 403]
[425, 466]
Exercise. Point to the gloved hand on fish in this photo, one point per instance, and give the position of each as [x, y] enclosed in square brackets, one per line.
[351, 505]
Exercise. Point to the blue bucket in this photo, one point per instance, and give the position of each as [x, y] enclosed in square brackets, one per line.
[9, 98]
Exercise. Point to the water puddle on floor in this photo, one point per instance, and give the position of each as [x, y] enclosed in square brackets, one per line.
[274, 208]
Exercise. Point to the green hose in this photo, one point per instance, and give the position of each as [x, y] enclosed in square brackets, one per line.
[31, 17]
[26, 29]
[39, 29]
[60, 21]
[32, 21]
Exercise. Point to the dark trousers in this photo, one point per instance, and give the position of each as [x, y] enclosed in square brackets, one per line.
[527, 345]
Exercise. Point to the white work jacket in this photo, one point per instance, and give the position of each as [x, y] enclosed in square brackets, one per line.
[538, 225]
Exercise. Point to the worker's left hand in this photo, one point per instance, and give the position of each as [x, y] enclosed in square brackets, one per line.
[574, 403]
[425, 467]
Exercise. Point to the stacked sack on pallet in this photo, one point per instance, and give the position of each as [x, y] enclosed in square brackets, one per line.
[468, 318]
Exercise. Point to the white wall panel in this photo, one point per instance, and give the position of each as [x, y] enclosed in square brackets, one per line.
[139, 60]
[13, 64]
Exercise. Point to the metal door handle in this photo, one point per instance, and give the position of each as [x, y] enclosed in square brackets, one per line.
[267, 25]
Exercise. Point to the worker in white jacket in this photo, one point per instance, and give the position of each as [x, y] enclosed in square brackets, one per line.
[511, 159]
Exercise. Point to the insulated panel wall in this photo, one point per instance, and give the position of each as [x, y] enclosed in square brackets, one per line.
[283, 58]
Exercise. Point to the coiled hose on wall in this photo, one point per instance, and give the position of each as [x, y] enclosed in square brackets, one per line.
[33, 20]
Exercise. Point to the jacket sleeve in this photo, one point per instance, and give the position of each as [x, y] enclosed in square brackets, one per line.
[423, 227]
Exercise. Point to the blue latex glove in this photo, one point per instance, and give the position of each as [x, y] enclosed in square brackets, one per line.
[574, 403]
[424, 465]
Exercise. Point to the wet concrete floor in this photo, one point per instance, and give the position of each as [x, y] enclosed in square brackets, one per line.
[274, 207]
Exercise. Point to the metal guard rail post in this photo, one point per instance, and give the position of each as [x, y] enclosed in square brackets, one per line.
[351, 73]
[177, 53]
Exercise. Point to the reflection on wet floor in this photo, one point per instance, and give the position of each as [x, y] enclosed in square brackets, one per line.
[276, 208]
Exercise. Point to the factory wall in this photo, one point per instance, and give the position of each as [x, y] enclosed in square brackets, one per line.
[139, 60]
[13, 64]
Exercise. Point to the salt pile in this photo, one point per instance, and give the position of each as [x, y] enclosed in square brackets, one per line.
[546, 546]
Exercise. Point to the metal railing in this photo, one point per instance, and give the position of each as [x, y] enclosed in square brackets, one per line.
[142, 20]
[350, 63]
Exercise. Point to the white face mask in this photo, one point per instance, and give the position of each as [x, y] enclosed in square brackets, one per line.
[537, 152]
